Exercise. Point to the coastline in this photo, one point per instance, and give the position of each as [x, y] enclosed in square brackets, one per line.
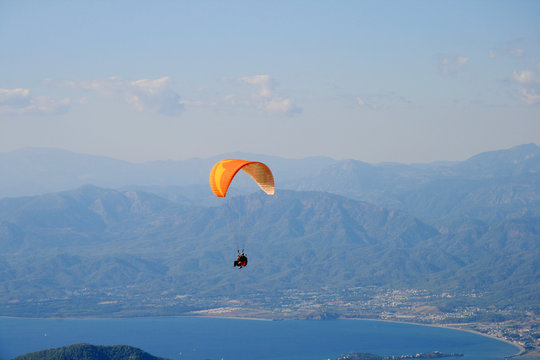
[521, 350]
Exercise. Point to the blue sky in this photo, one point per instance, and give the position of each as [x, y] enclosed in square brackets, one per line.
[404, 81]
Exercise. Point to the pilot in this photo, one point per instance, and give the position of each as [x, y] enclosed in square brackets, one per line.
[241, 260]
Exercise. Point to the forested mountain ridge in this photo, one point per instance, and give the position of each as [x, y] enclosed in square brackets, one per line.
[93, 238]
[466, 226]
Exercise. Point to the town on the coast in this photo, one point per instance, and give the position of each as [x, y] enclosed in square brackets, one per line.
[516, 326]
[367, 356]
[453, 310]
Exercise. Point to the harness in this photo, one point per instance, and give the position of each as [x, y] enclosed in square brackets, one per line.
[242, 260]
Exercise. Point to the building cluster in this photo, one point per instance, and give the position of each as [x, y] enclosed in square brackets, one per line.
[406, 305]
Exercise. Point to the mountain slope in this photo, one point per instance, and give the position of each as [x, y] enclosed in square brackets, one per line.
[295, 240]
[490, 187]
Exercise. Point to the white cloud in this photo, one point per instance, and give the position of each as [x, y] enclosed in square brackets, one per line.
[451, 64]
[14, 96]
[529, 96]
[20, 102]
[152, 86]
[371, 102]
[231, 99]
[462, 60]
[262, 82]
[264, 97]
[256, 80]
[507, 51]
[146, 95]
[155, 95]
[523, 77]
[282, 106]
[514, 52]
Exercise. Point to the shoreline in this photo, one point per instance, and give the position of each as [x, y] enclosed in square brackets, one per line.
[521, 350]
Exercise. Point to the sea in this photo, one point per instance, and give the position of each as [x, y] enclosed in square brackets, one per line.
[198, 338]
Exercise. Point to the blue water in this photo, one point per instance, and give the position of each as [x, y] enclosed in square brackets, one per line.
[184, 338]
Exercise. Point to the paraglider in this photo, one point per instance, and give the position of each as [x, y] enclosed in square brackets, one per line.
[223, 173]
[241, 260]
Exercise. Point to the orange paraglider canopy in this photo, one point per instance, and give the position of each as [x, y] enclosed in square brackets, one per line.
[224, 171]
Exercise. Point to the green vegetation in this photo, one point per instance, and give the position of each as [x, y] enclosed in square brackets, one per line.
[94, 251]
[90, 352]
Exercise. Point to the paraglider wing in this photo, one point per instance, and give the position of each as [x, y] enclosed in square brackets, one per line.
[224, 171]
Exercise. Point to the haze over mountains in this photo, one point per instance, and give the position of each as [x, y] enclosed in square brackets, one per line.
[70, 222]
[35, 171]
[505, 179]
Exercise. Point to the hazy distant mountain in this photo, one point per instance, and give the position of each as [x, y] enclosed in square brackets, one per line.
[517, 161]
[491, 187]
[90, 352]
[33, 171]
[462, 226]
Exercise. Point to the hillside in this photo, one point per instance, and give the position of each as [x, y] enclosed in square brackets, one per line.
[463, 227]
[490, 187]
[90, 352]
[91, 240]
[109, 227]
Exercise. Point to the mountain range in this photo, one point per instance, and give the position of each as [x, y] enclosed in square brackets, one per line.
[490, 186]
[463, 226]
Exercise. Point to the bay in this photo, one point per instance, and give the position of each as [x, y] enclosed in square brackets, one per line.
[195, 338]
